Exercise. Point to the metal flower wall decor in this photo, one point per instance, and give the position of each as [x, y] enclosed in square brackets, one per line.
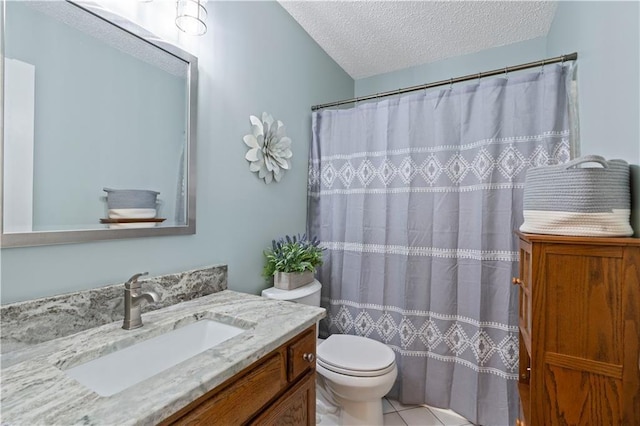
[269, 149]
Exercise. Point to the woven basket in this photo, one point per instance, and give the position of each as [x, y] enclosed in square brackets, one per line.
[131, 198]
[568, 200]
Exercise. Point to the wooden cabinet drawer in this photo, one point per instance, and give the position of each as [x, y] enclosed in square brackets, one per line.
[301, 355]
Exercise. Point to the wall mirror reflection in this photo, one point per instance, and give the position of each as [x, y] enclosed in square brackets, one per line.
[91, 101]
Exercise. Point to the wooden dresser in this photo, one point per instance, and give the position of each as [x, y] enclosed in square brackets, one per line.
[579, 321]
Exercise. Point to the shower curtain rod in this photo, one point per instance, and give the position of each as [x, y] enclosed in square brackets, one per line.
[569, 57]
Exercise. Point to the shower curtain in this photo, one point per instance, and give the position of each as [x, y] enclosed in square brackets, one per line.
[416, 199]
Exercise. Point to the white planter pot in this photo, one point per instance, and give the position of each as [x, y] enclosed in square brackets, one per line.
[292, 280]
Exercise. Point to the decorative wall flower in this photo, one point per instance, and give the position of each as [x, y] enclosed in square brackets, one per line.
[269, 148]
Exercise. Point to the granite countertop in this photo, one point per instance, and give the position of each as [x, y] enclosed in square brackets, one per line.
[35, 390]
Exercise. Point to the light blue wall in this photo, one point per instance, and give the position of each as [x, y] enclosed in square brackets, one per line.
[498, 57]
[254, 58]
[606, 35]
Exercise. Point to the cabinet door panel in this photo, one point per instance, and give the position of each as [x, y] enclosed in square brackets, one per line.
[583, 303]
[525, 301]
[296, 408]
[631, 352]
[581, 398]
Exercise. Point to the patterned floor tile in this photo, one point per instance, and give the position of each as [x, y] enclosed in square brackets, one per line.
[400, 406]
[449, 417]
[420, 416]
[393, 419]
[387, 407]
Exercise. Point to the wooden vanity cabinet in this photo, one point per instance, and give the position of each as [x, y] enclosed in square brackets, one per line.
[579, 322]
[278, 389]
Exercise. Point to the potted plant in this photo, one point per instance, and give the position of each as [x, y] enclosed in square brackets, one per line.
[292, 261]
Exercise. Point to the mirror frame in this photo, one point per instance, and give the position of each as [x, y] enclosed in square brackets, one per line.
[26, 239]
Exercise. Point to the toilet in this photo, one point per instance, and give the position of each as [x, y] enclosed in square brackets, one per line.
[354, 372]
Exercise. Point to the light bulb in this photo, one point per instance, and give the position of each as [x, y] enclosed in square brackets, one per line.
[191, 16]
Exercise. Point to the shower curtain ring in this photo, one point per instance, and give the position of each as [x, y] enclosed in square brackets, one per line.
[479, 76]
[506, 73]
[451, 83]
[543, 62]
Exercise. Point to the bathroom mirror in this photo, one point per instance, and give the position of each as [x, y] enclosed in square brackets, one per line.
[92, 101]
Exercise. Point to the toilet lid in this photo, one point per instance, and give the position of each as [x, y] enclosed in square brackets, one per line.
[355, 355]
[300, 292]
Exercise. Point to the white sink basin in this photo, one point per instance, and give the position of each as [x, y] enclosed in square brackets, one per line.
[126, 367]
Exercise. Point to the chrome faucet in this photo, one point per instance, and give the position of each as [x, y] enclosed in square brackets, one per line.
[133, 297]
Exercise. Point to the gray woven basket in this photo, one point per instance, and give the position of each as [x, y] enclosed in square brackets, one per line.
[568, 200]
[131, 198]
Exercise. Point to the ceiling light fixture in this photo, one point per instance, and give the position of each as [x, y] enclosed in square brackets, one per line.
[191, 16]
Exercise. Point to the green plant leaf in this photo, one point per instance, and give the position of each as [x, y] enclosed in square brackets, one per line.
[292, 254]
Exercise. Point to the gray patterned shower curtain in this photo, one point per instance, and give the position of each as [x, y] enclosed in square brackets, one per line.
[416, 199]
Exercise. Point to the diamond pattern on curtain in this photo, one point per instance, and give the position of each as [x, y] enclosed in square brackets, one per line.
[416, 199]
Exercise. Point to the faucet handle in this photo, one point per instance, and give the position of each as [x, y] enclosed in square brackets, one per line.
[134, 279]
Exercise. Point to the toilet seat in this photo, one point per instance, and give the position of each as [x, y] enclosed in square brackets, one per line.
[356, 373]
[355, 356]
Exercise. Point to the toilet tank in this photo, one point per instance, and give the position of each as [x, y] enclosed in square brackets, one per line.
[307, 295]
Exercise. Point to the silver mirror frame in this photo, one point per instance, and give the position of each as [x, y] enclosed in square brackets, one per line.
[82, 236]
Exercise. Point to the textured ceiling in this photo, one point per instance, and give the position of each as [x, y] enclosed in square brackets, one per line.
[373, 37]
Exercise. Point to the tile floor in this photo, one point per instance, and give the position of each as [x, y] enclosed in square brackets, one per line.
[398, 414]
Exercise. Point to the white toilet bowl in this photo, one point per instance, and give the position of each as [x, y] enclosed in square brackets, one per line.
[356, 372]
